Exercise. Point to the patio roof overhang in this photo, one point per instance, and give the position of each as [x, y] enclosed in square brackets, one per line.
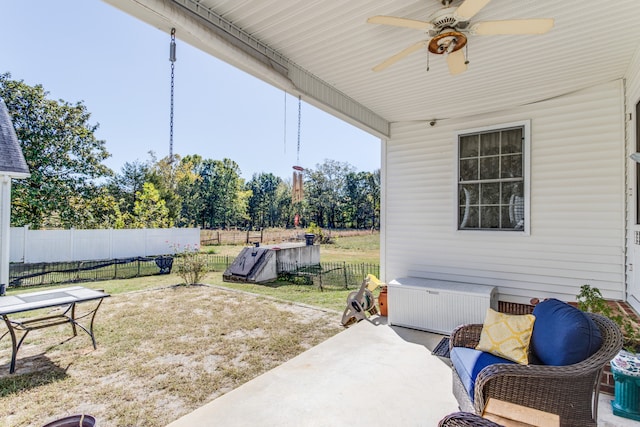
[325, 51]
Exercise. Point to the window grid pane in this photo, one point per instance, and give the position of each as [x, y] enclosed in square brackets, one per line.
[490, 195]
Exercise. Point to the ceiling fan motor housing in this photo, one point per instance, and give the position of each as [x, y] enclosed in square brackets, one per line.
[446, 18]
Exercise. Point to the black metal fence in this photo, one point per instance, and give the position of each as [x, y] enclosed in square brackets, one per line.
[336, 275]
[81, 271]
[329, 275]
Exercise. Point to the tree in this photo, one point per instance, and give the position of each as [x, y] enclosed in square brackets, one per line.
[150, 210]
[164, 175]
[188, 187]
[62, 152]
[223, 192]
[262, 203]
[362, 199]
[284, 206]
[325, 192]
[100, 211]
[125, 186]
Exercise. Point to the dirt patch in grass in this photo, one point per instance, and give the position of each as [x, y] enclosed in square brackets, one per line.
[161, 354]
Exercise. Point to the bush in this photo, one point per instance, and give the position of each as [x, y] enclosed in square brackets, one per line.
[190, 265]
[320, 237]
[591, 300]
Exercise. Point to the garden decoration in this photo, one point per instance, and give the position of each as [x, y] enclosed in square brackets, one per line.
[626, 374]
[625, 366]
[297, 188]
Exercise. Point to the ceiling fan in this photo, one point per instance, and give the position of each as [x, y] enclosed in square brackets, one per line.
[449, 27]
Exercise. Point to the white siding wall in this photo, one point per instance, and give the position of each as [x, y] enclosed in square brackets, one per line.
[633, 250]
[577, 202]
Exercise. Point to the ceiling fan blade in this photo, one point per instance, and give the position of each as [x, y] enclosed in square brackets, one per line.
[514, 26]
[469, 8]
[400, 22]
[398, 56]
[456, 62]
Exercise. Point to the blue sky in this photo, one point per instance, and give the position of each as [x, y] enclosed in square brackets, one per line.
[118, 66]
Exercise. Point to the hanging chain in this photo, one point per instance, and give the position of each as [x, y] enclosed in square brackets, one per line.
[172, 58]
[299, 126]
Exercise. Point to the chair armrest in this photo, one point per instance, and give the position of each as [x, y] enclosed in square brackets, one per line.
[466, 419]
[465, 336]
[553, 389]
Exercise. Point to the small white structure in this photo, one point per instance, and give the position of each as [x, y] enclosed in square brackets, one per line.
[438, 305]
[12, 165]
[262, 264]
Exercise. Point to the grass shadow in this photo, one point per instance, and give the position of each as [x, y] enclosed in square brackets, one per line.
[34, 371]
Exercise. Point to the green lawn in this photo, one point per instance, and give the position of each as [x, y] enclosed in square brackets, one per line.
[356, 249]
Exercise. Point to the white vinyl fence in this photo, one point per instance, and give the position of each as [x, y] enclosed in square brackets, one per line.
[30, 246]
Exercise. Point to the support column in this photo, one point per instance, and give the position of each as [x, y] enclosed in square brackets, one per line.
[5, 219]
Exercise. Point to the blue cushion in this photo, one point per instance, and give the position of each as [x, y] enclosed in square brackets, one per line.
[562, 334]
[469, 362]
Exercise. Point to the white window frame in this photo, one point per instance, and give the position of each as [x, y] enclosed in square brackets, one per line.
[526, 173]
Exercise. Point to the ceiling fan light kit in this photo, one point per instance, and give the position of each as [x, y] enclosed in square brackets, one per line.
[448, 30]
[447, 41]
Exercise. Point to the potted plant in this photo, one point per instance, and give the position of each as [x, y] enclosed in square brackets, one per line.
[590, 299]
[625, 367]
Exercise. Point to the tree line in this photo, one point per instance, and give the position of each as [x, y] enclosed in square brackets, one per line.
[71, 187]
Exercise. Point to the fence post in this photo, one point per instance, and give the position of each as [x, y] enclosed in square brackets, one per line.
[24, 242]
[138, 267]
[344, 270]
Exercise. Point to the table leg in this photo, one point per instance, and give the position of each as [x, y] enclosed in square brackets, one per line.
[73, 319]
[15, 345]
[89, 331]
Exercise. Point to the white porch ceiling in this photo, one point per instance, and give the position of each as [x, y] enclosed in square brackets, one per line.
[592, 42]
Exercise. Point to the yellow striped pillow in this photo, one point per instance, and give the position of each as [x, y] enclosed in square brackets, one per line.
[507, 335]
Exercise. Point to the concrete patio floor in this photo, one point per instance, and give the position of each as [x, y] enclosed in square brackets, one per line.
[369, 375]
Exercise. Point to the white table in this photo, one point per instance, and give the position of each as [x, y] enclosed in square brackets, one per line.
[61, 297]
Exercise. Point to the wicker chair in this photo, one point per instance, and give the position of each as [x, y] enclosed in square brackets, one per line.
[569, 391]
[466, 419]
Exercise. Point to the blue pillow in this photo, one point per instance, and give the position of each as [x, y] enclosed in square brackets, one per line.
[562, 334]
[468, 363]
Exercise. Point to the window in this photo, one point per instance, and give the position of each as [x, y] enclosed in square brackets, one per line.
[492, 178]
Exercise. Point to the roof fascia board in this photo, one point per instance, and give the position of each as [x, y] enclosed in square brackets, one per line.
[210, 32]
[304, 81]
